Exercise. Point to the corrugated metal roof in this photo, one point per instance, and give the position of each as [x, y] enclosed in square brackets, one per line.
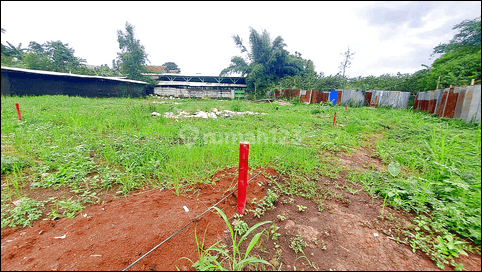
[196, 75]
[199, 84]
[69, 75]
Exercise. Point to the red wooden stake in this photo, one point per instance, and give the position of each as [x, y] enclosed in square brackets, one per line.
[334, 119]
[243, 175]
[18, 112]
[346, 107]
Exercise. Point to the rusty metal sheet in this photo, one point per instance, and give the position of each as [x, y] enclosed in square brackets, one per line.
[460, 101]
[415, 106]
[294, 93]
[431, 106]
[424, 105]
[316, 95]
[441, 105]
[450, 104]
[338, 98]
[325, 96]
[368, 98]
[305, 98]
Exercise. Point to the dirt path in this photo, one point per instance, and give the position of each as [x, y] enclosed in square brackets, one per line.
[113, 235]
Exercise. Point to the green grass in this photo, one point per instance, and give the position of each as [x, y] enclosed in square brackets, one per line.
[64, 141]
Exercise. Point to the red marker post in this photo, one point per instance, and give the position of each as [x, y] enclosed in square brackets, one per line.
[243, 175]
[18, 112]
[334, 119]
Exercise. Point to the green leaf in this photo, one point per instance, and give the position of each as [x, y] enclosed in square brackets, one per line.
[394, 168]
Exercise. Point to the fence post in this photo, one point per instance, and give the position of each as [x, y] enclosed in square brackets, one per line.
[243, 175]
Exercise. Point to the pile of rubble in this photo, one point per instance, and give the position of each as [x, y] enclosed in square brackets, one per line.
[165, 102]
[214, 113]
[163, 97]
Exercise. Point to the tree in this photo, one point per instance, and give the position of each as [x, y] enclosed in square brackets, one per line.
[469, 34]
[267, 61]
[133, 56]
[52, 56]
[346, 63]
[460, 62]
[172, 66]
[11, 54]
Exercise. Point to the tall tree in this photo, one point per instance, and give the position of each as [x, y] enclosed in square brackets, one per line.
[346, 63]
[172, 66]
[469, 34]
[52, 56]
[267, 61]
[133, 56]
[460, 62]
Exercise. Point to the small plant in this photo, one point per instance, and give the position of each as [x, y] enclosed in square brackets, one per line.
[70, 208]
[273, 230]
[27, 211]
[236, 261]
[280, 217]
[241, 227]
[301, 208]
[206, 262]
[297, 243]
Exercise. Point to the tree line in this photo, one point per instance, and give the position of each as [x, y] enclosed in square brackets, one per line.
[267, 65]
[57, 56]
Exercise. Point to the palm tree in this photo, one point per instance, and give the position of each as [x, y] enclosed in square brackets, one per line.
[267, 60]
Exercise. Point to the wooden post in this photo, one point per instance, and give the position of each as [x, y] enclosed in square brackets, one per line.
[438, 82]
[473, 82]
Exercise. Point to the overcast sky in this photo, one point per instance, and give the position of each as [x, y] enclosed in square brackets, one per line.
[387, 37]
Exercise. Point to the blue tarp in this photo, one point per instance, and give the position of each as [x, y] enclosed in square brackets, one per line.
[333, 96]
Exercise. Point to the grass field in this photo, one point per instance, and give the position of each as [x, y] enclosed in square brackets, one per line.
[83, 145]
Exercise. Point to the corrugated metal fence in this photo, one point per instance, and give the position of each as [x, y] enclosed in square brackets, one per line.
[456, 102]
[395, 99]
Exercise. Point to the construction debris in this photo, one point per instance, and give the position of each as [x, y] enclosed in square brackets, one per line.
[165, 102]
[214, 113]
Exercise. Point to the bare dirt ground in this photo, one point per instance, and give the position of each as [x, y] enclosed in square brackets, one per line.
[345, 235]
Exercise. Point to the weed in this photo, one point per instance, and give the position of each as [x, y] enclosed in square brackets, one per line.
[301, 208]
[236, 260]
[26, 211]
[241, 227]
[297, 243]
